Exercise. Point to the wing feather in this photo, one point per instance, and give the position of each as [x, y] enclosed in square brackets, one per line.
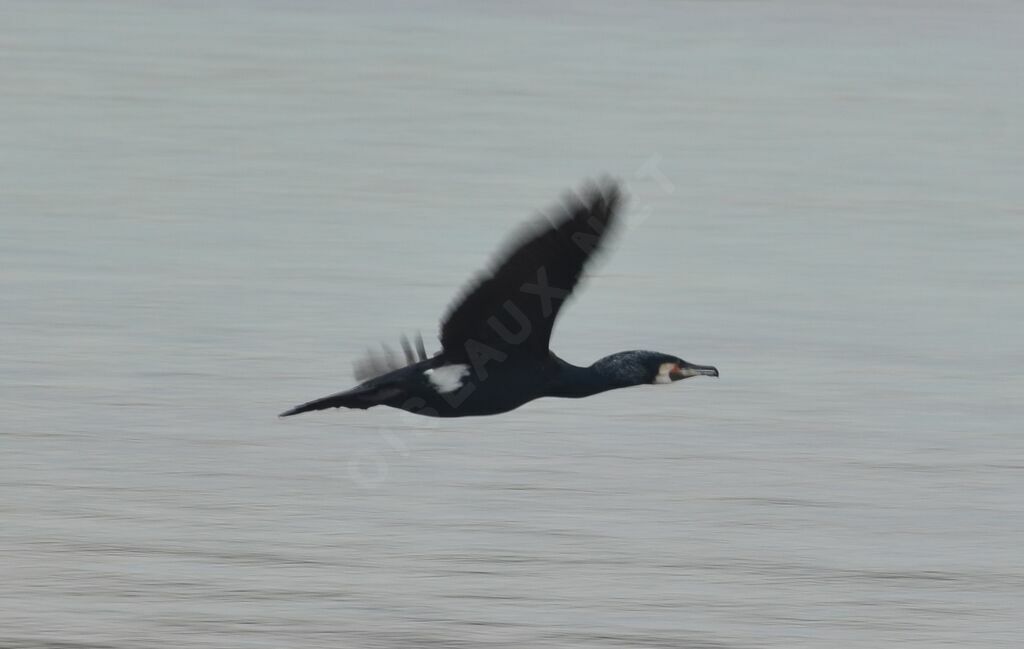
[517, 302]
[377, 362]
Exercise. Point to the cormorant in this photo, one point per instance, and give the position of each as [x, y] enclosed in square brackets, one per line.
[494, 339]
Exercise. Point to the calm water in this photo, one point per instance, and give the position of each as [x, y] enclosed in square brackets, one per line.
[209, 212]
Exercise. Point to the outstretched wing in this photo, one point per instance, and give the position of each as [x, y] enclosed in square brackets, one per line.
[384, 360]
[515, 305]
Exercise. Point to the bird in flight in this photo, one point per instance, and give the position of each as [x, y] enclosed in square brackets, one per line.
[494, 340]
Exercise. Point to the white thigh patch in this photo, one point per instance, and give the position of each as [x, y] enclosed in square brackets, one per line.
[447, 378]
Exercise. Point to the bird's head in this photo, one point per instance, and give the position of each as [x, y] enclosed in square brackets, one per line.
[640, 367]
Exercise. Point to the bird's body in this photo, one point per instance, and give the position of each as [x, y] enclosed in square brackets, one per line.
[495, 354]
[439, 389]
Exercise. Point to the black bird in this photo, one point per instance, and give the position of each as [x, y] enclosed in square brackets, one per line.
[494, 340]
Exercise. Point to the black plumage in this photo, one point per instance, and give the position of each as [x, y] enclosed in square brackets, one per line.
[539, 270]
[495, 339]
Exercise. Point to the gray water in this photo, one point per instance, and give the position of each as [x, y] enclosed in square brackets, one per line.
[210, 211]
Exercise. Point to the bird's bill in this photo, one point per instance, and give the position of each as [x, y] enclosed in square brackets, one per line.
[686, 370]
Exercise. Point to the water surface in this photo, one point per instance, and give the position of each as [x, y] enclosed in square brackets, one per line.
[210, 211]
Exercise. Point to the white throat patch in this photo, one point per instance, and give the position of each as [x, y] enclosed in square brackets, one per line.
[447, 378]
[663, 373]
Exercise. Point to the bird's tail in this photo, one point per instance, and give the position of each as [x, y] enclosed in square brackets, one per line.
[358, 397]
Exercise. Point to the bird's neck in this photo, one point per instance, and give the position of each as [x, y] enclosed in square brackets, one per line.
[574, 381]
